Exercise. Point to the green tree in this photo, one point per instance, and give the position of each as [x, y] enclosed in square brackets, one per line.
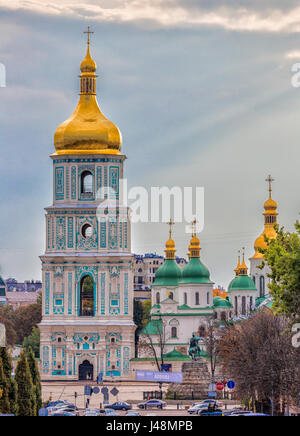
[35, 379]
[13, 397]
[11, 385]
[283, 257]
[4, 387]
[33, 341]
[25, 318]
[26, 397]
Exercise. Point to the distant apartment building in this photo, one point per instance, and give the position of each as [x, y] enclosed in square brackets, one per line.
[3, 291]
[20, 294]
[145, 268]
[27, 286]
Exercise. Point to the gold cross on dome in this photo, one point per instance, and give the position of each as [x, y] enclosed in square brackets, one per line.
[170, 223]
[88, 32]
[269, 179]
[194, 226]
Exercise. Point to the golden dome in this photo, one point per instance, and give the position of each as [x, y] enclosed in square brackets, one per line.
[194, 247]
[237, 269]
[87, 131]
[269, 231]
[170, 244]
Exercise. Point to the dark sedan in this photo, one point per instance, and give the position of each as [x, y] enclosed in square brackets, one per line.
[119, 405]
[158, 404]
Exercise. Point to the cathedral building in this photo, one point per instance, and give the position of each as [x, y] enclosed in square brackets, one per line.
[182, 300]
[87, 326]
[260, 276]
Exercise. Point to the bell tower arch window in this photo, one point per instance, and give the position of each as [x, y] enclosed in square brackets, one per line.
[86, 297]
[86, 185]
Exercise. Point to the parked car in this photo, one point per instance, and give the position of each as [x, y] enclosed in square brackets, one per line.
[68, 410]
[194, 409]
[249, 414]
[119, 405]
[212, 401]
[63, 413]
[110, 412]
[217, 412]
[132, 413]
[91, 412]
[158, 404]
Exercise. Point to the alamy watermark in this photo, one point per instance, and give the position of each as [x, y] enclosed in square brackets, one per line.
[158, 204]
[2, 76]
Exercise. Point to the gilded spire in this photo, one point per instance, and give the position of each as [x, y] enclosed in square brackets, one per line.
[270, 215]
[194, 247]
[243, 270]
[237, 269]
[170, 244]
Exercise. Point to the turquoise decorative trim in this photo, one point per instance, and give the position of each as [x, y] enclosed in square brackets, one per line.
[90, 243]
[84, 160]
[126, 294]
[47, 292]
[114, 300]
[102, 293]
[114, 182]
[67, 183]
[48, 233]
[45, 359]
[59, 183]
[105, 181]
[73, 183]
[58, 303]
[99, 183]
[126, 353]
[125, 235]
[103, 233]
[112, 233]
[60, 233]
[70, 232]
[70, 299]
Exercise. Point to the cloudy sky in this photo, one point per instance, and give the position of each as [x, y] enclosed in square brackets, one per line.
[201, 90]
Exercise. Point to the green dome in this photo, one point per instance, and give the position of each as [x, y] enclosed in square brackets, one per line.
[242, 283]
[220, 302]
[195, 272]
[168, 274]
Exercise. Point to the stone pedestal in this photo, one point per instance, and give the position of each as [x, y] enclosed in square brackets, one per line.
[196, 379]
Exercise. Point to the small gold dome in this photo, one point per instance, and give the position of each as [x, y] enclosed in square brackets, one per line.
[88, 65]
[270, 204]
[87, 131]
[270, 215]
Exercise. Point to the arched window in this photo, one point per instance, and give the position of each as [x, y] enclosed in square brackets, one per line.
[185, 298]
[201, 331]
[157, 298]
[223, 316]
[243, 305]
[87, 231]
[171, 295]
[261, 286]
[174, 332]
[253, 278]
[236, 305]
[86, 182]
[197, 298]
[86, 299]
[207, 298]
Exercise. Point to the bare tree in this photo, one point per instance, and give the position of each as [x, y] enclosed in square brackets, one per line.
[258, 354]
[153, 342]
